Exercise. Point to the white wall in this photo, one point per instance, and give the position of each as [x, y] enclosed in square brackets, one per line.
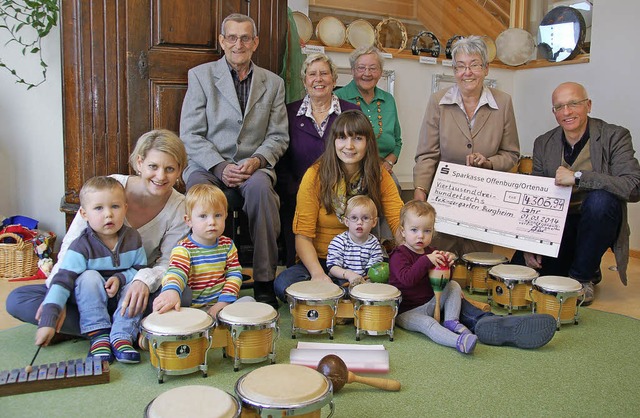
[31, 159]
[31, 150]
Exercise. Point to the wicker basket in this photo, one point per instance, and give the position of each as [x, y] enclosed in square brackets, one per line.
[18, 259]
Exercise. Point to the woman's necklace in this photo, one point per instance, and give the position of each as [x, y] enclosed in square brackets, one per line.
[319, 110]
[378, 103]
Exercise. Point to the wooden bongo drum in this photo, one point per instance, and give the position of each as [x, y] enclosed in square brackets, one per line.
[375, 308]
[283, 390]
[478, 265]
[557, 296]
[313, 306]
[510, 285]
[253, 330]
[178, 341]
[198, 400]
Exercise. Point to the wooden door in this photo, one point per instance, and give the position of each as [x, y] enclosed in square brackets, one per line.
[125, 66]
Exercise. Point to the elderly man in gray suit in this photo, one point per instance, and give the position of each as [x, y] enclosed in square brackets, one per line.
[234, 127]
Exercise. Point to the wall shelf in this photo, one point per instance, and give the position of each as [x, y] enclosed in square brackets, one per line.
[406, 54]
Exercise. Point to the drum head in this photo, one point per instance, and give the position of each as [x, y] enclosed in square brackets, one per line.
[361, 33]
[282, 385]
[484, 259]
[491, 48]
[198, 400]
[513, 271]
[375, 291]
[314, 290]
[304, 26]
[331, 31]
[247, 313]
[183, 322]
[561, 33]
[557, 284]
[515, 46]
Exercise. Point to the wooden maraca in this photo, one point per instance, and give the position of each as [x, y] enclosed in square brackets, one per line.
[336, 370]
[439, 277]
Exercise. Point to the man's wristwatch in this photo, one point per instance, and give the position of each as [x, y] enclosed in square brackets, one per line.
[577, 176]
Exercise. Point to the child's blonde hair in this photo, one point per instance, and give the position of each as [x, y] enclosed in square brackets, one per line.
[363, 201]
[207, 195]
[97, 184]
[417, 207]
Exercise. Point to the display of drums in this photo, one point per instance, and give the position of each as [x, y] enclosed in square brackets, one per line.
[375, 306]
[557, 296]
[313, 306]
[525, 165]
[253, 330]
[178, 341]
[283, 390]
[198, 400]
[511, 285]
[478, 265]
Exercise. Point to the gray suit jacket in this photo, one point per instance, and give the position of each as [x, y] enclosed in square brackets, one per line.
[213, 127]
[615, 169]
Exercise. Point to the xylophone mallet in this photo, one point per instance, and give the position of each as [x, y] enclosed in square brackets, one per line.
[29, 368]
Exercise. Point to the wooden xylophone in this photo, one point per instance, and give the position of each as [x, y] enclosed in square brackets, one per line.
[66, 374]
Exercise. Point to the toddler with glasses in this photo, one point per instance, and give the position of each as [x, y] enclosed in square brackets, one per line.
[352, 252]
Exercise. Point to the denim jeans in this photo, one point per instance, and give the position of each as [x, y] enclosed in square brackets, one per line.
[585, 239]
[297, 273]
[92, 301]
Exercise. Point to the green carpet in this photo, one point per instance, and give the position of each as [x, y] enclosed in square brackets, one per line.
[590, 369]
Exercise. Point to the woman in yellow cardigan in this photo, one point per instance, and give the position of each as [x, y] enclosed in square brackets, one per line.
[349, 166]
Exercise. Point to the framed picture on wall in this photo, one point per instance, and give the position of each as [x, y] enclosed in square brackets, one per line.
[386, 82]
[441, 81]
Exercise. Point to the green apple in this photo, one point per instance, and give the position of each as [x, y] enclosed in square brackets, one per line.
[379, 272]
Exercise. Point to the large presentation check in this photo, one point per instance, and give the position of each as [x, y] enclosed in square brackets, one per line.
[516, 211]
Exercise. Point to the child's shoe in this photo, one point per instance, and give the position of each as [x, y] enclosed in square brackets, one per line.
[466, 343]
[124, 351]
[100, 347]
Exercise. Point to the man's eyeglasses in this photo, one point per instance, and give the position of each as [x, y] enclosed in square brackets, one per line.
[475, 68]
[355, 219]
[570, 105]
[363, 68]
[232, 39]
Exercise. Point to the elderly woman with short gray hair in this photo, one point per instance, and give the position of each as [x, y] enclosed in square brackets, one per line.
[379, 106]
[469, 124]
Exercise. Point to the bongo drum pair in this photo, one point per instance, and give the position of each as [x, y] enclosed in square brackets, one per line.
[478, 265]
[557, 296]
[510, 285]
[180, 340]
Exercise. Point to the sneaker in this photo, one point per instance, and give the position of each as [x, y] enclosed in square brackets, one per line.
[587, 298]
[466, 343]
[522, 331]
